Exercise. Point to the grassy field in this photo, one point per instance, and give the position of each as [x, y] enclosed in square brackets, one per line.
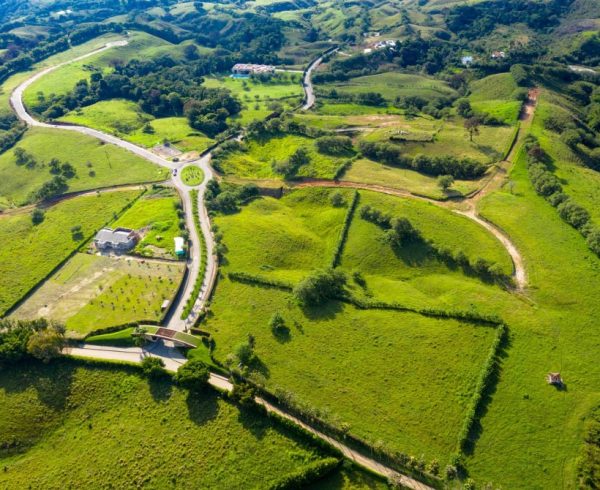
[396, 377]
[369, 172]
[494, 95]
[256, 163]
[92, 292]
[257, 96]
[62, 80]
[192, 175]
[126, 120]
[30, 252]
[207, 442]
[283, 238]
[393, 84]
[96, 164]
[155, 217]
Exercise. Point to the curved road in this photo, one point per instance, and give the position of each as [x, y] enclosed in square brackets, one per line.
[309, 93]
[194, 263]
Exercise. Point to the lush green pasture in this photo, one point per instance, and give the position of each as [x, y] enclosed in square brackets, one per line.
[93, 292]
[448, 138]
[369, 172]
[94, 427]
[256, 163]
[529, 421]
[367, 250]
[62, 80]
[393, 84]
[400, 378]
[578, 181]
[257, 96]
[96, 164]
[29, 252]
[126, 120]
[494, 95]
[283, 238]
[155, 217]
[192, 175]
[349, 109]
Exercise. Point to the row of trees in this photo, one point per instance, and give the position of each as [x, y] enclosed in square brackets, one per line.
[547, 185]
[389, 154]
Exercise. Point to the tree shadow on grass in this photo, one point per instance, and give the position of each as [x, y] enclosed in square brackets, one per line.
[257, 365]
[161, 389]
[202, 406]
[488, 395]
[489, 152]
[283, 335]
[253, 422]
[326, 311]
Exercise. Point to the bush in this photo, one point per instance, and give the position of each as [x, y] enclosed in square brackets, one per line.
[573, 213]
[319, 287]
[153, 367]
[37, 216]
[334, 145]
[192, 375]
[277, 323]
[46, 344]
[571, 138]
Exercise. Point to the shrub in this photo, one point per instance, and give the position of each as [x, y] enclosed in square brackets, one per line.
[46, 344]
[334, 145]
[37, 216]
[337, 199]
[277, 323]
[573, 213]
[444, 182]
[245, 353]
[192, 375]
[320, 286]
[571, 138]
[153, 367]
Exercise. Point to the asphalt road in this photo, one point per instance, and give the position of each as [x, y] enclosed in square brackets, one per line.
[175, 321]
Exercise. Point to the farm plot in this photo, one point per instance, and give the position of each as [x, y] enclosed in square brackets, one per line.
[399, 378]
[93, 292]
[156, 218]
[496, 96]
[46, 444]
[260, 157]
[94, 165]
[30, 252]
[283, 238]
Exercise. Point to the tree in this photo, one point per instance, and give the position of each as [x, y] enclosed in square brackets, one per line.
[47, 344]
[320, 286]
[472, 126]
[445, 182]
[190, 52]
[192, 375]
[463, 108]
[337, 199]
[153, 367]
[245, 353]
[277, 323]
[37, 216]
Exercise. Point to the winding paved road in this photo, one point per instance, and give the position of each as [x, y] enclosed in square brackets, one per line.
[194, 262]
[309, 92]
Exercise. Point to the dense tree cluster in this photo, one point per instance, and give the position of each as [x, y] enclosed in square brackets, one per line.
[320, 287]
[334, 145]
[227, 198]
[20, 339]
[399, 231]
[390, 154]
[479, 19]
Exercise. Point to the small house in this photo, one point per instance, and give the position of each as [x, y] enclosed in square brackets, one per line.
[498, 55]
[179, 248]
[119, 239]
[466, 60]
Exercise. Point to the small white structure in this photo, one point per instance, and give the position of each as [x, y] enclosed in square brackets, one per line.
[498, 55]
[367, 50]
[466, 60]
[179, 249]
[246, 69]
[119, 239]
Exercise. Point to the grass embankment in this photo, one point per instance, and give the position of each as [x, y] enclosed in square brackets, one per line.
[132, 424]
[91, 293]
[96, 164]
[120, 338]
[156, 216]
[30, 252]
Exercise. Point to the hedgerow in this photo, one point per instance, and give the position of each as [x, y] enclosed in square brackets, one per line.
[246, 278]
[483, 384]
[339, 248]
[307, 475]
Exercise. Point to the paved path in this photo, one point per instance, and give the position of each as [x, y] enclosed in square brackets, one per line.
[173, 359]
[309, 93]
[194, 263]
